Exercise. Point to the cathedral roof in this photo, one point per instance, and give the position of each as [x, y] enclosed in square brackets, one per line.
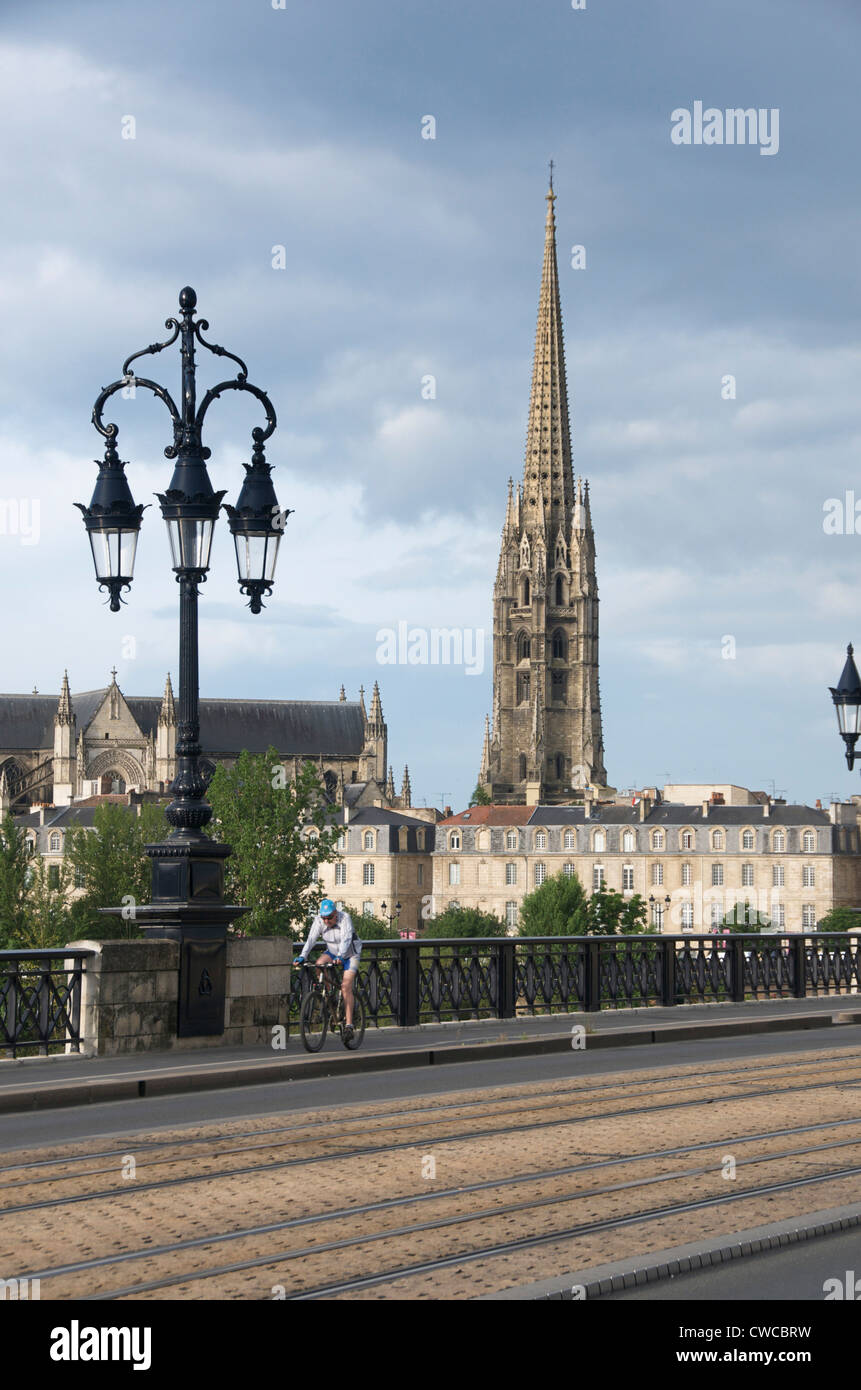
[303, 727]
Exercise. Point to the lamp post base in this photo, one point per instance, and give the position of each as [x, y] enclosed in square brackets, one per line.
[188, 907]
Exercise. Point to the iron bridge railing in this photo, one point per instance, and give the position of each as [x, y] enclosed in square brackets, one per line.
[405, 983]
[40, 1001]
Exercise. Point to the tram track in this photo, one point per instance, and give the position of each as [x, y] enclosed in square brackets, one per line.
[369, 1151]
[518, 1179]
[553, 1092]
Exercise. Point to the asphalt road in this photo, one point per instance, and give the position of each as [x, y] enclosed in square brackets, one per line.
[126, 1117]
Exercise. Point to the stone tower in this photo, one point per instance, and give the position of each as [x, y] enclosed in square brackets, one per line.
[545, 743]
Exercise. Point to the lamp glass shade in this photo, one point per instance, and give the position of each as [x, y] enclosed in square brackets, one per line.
[849, 716]
[256, 554]
[114, 552]
[190, 541]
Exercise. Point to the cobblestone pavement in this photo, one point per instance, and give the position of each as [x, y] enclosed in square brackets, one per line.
[278, 1206]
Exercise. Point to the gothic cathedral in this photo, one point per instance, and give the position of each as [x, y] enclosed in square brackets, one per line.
[545, 742]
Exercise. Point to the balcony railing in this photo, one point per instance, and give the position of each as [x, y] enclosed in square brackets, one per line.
[405, 983]
[40, 1001]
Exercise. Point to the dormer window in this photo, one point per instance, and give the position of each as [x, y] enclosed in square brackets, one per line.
[454, 840]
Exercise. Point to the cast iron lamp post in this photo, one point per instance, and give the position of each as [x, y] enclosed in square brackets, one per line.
[391, 917]
[188, 869]
[847, 701]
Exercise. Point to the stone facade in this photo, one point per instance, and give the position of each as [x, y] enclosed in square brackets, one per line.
[794, 863]
[545, 740]
[386, 859]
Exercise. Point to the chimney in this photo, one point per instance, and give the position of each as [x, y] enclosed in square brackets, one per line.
[706, 809]
[766, 809]
[645, 806]
[833, 812]
[818, 804]
[447, 812]
[346, 814]
[587, 802]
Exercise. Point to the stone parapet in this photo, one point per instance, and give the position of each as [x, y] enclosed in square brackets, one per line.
[131, 990]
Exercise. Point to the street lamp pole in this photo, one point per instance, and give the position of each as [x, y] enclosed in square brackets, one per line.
[188, 868]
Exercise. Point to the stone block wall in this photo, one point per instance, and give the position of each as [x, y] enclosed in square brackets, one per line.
[131, 989]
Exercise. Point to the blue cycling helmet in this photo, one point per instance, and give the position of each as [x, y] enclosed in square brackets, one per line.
[327, 907]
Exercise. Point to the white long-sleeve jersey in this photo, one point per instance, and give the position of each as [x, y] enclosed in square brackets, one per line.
[338, 936]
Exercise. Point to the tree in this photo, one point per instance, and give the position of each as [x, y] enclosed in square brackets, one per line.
[47, 918]
[744, 917]
[464, 921]
[480, 796]
[279, 831]
[15, 874]
[840, 919]
[560, 906]
[109, 863]
[371, 928]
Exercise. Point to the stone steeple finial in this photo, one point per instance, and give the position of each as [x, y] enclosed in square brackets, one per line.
[390, 784]
[362, 703]
[406, 789]
[167, 713]
[548, 437]
[484, 770]
[343, 696]
[64, 704]
[376, 715]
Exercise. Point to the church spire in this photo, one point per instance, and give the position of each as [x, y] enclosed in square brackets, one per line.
[548, 441]
[167, 713]
[406, 789]
[64, 704]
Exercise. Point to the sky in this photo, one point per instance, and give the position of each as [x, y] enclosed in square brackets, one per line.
[275, 158]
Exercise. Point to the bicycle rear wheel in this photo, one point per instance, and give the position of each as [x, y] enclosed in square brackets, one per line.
[314, 1020]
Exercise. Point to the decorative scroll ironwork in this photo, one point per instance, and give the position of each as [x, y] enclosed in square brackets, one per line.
[513, 977]
[40, 1000]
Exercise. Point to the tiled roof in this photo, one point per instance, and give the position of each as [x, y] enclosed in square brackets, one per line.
[491, 815]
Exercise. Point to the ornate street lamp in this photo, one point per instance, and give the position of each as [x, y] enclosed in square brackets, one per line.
[188, 869]
[847, 701]
[391, 917]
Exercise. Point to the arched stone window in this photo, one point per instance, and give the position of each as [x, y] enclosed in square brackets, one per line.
[454, 840]
[560, 599]
[809, 842]
[523, 767]
[511, 839]
[522, 687]
[524, 646]
[368, 839]
[627, 841]
[559, 646]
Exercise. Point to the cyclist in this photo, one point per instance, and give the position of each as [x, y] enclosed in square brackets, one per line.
[341, 944]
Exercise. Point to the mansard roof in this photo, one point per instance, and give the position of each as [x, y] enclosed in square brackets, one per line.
[668, 813]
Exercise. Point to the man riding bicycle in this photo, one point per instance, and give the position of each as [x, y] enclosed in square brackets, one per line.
[341, 944]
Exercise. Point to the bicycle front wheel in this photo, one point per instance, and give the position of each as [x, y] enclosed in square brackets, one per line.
[314, 1021]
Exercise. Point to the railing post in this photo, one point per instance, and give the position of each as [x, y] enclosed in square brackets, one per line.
[668, 971]
[737, 944]
[799, 965]
[592, 975]
[506, 1004]
[408, 993]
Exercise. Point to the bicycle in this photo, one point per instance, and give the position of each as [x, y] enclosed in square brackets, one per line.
[323, 1008]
